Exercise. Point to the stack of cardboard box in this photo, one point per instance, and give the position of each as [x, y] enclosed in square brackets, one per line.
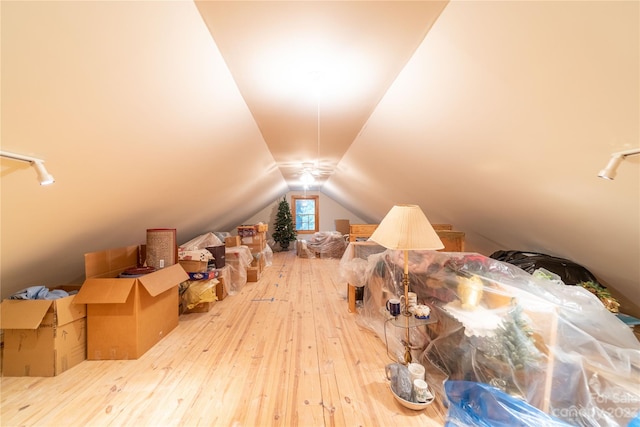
[255, 238]
[213, 273]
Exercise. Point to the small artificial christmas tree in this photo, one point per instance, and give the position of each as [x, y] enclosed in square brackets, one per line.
[285, 231]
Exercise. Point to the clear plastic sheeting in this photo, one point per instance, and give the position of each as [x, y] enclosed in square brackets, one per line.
[323, 244]
[267, 254]
[194, 292]
[238, 259]
[302, 250]
[222, 235]
[553, 346]
[481, 405]
[353, 264]
[201, 242]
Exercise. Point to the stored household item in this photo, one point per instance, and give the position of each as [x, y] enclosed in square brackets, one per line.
[553, 346]
[218, 253]
[127, 316]
[421, 392]
[43, 338]
[393, 306]
[416, 371]
[162, 250]
[401, 387]
[137, 271]
[570, 272]
[342, 226]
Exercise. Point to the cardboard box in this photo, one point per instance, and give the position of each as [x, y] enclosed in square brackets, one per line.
[232, 241]
[207, 275]
[127, 316]
[256, 239]
[342, 226]
[193, 266]
[203, 307]
[247, 231]
[258, 261]
[43, 338]
[253, 274]
[221, 289]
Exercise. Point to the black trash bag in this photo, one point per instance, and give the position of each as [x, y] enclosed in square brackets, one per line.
[570, 273]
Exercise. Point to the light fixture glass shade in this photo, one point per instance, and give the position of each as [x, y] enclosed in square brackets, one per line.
[406, 227]
[307, 178]
[44, 177]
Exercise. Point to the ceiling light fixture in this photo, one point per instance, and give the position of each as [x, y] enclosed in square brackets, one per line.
[44, 177]
[307, 179]
[609, 172]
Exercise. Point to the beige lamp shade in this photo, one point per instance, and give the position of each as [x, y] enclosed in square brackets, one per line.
[406, 228]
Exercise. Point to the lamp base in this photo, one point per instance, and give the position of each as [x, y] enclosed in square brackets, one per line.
[407, 355]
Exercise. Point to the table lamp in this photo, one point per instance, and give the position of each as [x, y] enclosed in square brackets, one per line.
[406, 228]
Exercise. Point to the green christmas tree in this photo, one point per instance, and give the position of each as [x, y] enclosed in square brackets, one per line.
[516, 340]
[285, 231]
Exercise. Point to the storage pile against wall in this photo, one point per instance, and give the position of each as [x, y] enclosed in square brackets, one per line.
[555, 347]
[323, 244]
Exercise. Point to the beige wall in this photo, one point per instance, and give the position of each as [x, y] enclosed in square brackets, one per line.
[498, 125]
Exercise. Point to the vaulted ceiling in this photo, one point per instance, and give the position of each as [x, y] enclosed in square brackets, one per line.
[492, 116]
[312, 72]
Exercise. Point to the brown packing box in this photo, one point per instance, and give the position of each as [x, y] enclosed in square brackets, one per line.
[221, 289]
[192, 266]
[253, 274]
[258, 261]
[43, 338]
[258, 240]
[203, 307]
[342, 226]
[127, 316]
[232, 241]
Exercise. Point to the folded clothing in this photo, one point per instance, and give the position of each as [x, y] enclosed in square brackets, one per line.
[39, 292]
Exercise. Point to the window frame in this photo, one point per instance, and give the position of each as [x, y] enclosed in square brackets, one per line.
[316, 200]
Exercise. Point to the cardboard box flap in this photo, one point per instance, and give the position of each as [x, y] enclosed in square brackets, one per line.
[18, 315]
[111, 262]
[67, 311]
[104, 291]
[161, 280]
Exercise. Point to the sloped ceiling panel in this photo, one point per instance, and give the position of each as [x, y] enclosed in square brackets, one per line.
[312, 72]
[137, 117]
[499, 125]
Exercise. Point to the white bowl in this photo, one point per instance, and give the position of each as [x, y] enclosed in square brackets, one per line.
[411, 405]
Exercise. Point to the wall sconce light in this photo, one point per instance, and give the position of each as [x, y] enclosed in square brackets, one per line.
[44, 177]
[609, 172]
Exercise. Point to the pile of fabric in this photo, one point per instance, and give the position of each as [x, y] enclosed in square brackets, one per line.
[41, 292]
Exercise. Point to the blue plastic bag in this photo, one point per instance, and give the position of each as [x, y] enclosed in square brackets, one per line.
[481, 405]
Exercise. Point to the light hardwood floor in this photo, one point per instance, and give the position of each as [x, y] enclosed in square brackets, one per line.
[283, 351]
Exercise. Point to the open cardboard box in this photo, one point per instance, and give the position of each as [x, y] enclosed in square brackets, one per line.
[43, 338]
[127, 316]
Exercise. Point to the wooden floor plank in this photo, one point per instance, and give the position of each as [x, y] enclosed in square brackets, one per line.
[283, 351]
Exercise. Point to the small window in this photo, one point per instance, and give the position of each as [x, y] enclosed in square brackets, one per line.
[305, 212]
